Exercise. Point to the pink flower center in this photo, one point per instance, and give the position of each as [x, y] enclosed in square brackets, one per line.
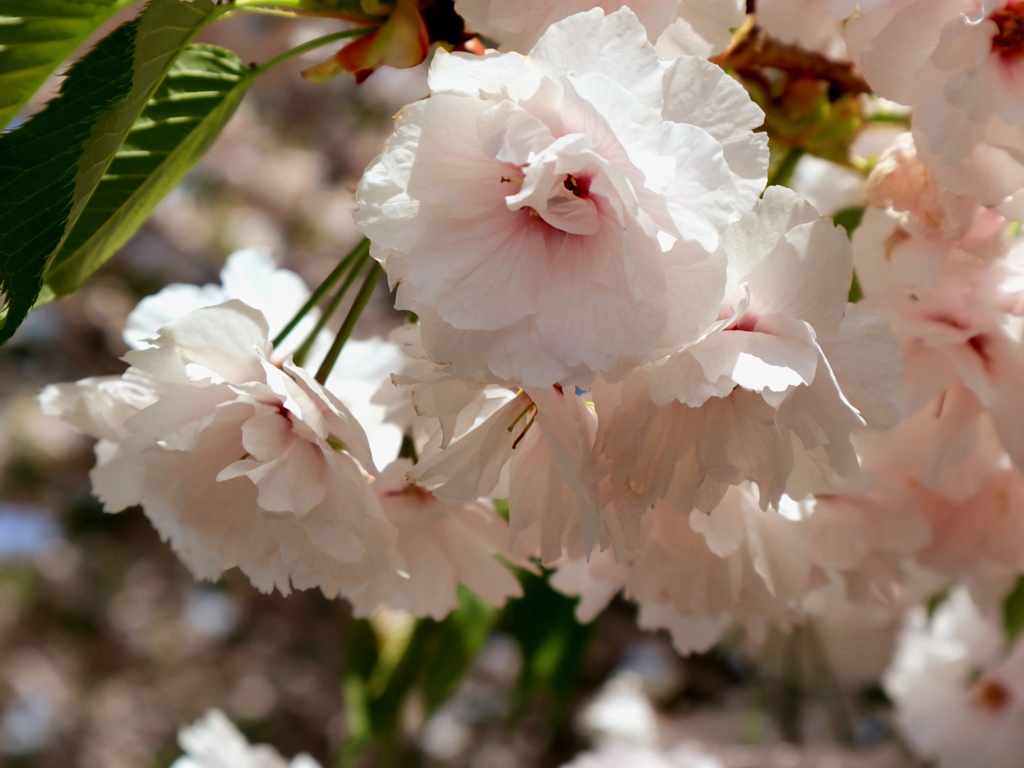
[1008, 42]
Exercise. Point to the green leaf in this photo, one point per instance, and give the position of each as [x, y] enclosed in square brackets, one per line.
[1013, 610]
[36, 36]
[553, 643]
[460, 637]
[200, 93]
[849, 218]
[381, 672]
[50, 166]
[39, 167]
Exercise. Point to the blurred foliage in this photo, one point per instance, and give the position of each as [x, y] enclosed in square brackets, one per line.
[553, 644]
[391, 658]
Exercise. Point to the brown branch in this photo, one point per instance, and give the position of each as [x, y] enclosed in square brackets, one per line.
[757, 50]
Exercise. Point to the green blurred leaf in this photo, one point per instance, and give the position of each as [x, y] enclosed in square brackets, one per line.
[849, 218]
[201, 92]
[553, 644]
[51, 165]
[935, 602]
[459, 639]
[1013, 610]
[382, 671]
[36, 36]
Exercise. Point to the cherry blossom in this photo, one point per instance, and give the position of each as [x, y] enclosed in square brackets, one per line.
[441, 545]
[772, 392]
[277, 468]
[556, 215]
[678, 27]
[695, 574]
[958, 63]
[959, 698]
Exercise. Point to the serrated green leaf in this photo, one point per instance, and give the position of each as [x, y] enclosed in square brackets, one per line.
[36, 36]
[50, 166]
[39, 164]
[165, 28]
[200, 93]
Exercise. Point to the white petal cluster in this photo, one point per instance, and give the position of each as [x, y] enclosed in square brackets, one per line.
[215, 742]
[959, 64]
[242, 459]
[772, 392]
[278, 469]
[677, 27]
[555, 215]
[959, 697]
[681, 470]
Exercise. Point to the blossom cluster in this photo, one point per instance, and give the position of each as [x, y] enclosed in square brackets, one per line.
[626, 332]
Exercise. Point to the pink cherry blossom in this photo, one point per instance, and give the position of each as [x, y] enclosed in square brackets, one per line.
[678, 27]
[772, 392]
[960, 65]
[237, 462]
[442, 546]
[556, 215]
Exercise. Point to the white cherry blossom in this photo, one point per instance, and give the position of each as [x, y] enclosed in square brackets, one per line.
[959, 697]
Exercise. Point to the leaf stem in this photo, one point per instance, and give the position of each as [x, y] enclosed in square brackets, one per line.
[336, 274]
[294, 4]
[309, 46]
[355, 267]
[361, 300]
[784, 172]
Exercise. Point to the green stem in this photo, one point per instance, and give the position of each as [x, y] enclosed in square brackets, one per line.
[322, 289]
[790, 702]
[310, 46]
[889, 117]
[832, 692]
[245, 4]
[354, 269]
[784, 172]
[361, 300]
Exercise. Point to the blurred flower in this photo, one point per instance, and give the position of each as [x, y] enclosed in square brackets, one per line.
[959, 696]
[214, 742]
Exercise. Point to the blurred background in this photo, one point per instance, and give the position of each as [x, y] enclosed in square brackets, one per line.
[108, 646]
